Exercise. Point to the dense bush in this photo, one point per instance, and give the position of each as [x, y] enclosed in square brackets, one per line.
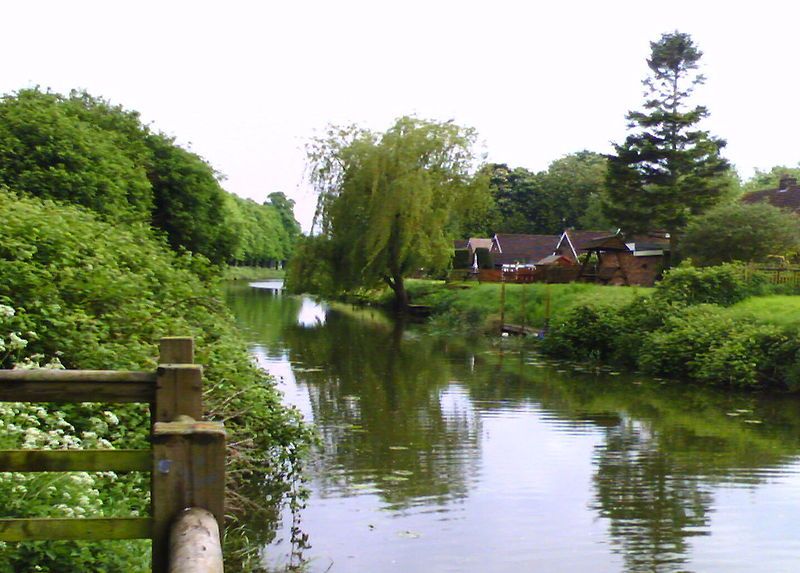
[724, 285]
[741, 232]
[700, 343]
[100, 296]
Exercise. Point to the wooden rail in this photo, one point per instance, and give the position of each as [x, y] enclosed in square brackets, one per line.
[186, 461]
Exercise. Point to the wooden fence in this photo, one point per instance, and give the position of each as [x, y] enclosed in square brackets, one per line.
[774, 274]
[186, 461]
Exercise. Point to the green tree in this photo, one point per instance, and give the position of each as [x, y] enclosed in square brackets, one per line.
[565, 195]
[189, 203]
[667, 169]
[741, 232]
[769, 179]
[49, 148]
[391, 203]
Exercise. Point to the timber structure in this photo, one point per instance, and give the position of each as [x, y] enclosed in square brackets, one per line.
[186, 460]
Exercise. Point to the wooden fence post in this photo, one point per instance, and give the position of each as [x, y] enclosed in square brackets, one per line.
[176, 350]
[188, 471]
[179, 383]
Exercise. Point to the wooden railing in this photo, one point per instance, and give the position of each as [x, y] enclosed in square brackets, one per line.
[186, 461]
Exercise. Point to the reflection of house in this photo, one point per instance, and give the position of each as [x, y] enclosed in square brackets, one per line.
[511, 250]
[612, 261]
[786, 196]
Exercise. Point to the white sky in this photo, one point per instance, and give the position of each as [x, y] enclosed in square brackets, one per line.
[247, 83]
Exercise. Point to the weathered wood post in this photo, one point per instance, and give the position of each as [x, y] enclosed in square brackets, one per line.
[188, 456]
[188, 472]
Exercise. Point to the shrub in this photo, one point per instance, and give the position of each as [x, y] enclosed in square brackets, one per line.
[101, 296]
[586, 332]
[723, 285]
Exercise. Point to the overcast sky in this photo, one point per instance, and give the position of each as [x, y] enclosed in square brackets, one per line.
[247, 83]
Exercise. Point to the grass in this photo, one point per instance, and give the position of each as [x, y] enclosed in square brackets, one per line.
[478, 305]
[780, 310]
[252, 273]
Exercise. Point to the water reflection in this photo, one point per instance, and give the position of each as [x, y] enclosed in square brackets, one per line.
[448, 455]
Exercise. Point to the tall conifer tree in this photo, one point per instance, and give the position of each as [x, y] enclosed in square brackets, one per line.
[667, 169]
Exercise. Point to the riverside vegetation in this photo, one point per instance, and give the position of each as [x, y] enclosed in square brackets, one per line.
[705, 325]
[112, 237]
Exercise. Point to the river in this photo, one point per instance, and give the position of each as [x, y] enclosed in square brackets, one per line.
[455, 455]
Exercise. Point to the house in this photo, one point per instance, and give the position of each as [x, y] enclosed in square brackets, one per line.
[614, 261]
[573, 244]
[786, 196]
[512, 250]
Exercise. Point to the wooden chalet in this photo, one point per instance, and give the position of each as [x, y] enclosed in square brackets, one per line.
[610, 260]
[572, 244]
[517, 250]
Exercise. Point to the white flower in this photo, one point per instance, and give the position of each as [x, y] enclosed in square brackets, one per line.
[6, 311]
[15, 342]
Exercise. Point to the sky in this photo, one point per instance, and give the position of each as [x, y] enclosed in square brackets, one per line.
[247, 84]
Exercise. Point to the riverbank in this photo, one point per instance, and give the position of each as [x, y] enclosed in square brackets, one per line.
[474, 307]
[706, 325]
[252, 273]
[73, 301]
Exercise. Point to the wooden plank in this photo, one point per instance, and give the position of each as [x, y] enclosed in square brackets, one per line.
[40, 529]
[76, 386]
[50, 375]
[194, 544]
[75, 460]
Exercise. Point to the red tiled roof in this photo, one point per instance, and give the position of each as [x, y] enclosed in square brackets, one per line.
[526, 249]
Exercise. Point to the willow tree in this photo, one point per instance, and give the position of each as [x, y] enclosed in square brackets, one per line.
[667, 169]
[391, 203]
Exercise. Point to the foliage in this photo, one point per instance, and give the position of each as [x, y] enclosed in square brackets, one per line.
[769, 179]
[49, 149]
[565, 195]
[678, 334]
[84, 150]
[266, 234]
[723, 285]
[741, 232]
[100, 296]
[391, 203]
[188, 200]
[667, 169]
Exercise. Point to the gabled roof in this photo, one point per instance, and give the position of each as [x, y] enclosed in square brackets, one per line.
[460, 244]
[608, 243]
[509, 248]
[783, 198]
[576, 241]
[479, 243]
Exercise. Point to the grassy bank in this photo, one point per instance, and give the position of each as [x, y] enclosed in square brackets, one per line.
[473, 306]
[252, 273]
[704, 325]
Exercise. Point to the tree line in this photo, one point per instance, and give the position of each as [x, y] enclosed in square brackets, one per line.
[390, 203]
[82, 149]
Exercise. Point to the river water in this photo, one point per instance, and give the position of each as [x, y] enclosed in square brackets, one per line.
[453, 455]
